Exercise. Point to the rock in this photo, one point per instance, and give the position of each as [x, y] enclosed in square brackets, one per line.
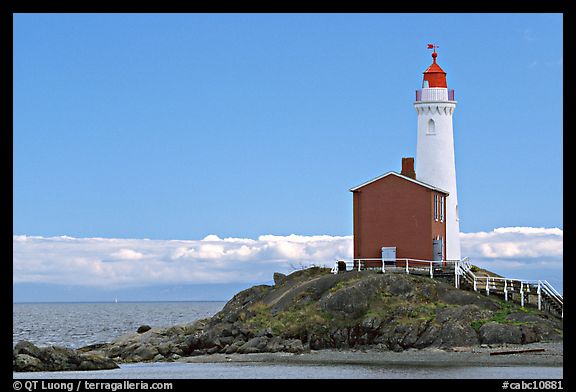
[495, 333]
[29, 358]
[114, 351]
[234, 346]
[462, 314]
[25, 347]
[279, 278]
[412, 334]
[400, 287]
[145, 352]
[277, 344]
[96, 362]
[175, 330]
[165, 349]
[314, 309]
[237, 305]
[27, 363]
[456, 334]
[213, 350]
[294, 346]
[254, 345]
[529, 334]
[128, 351]
[265, 332]
[428, 337]
[546, 332]
[454, 296]
[97, 347]
[143, 328]
[351, 301]
[535, 329]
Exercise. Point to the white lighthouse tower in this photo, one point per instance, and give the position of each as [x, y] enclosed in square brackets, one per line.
[435, 162]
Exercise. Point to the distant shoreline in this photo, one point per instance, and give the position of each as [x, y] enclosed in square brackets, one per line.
[112, 302]
[468, 356]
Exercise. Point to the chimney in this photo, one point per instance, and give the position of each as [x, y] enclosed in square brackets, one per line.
[408, 168]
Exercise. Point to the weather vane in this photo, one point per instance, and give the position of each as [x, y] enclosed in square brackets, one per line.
[433, 46]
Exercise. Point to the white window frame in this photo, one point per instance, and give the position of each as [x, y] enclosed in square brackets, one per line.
[436, 207]
[443, 247]
[442, 208]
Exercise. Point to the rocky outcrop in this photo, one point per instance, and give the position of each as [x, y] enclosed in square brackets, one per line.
[143, 328]
[313, 309]
[27, 357]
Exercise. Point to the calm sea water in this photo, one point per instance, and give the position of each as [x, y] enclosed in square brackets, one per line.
[80, 324]
[286, 371]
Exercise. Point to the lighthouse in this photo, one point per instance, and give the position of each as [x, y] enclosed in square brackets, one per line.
[435, 162]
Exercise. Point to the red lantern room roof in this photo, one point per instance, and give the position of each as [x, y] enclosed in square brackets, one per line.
[434, 76]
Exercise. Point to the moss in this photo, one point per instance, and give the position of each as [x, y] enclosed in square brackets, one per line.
[344, 283]
[294, 322]
[386, 306]
[300, 320]
[308, 273]
[261, 316]
[477, 324]
[500, 316]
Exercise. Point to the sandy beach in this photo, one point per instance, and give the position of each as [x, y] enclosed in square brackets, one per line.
[465, 356]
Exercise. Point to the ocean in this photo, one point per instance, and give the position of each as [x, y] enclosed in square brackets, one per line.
[80, 324]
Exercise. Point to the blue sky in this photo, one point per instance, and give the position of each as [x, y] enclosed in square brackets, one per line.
[179, 126]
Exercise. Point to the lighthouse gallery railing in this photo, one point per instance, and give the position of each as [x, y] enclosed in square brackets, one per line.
[434, 94]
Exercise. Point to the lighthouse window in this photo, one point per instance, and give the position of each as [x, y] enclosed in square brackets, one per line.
[435, 207]
[431, 127]
[441, 208]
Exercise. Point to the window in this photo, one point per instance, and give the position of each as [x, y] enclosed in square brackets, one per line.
[431, 128]
[435, 207]
[442, 208]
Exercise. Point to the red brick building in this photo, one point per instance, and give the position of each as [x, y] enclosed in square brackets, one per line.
[397, 211]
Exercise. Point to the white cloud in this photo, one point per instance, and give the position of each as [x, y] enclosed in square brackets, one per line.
[118, 262]
[514, 242]
[518, 252]
[127, 254]
[530, 230]
[132, 262]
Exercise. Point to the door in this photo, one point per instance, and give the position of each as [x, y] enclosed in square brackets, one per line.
[389, 255]
[437, 249]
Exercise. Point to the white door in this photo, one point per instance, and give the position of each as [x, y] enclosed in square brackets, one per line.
[438, 251]
[389, 255]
